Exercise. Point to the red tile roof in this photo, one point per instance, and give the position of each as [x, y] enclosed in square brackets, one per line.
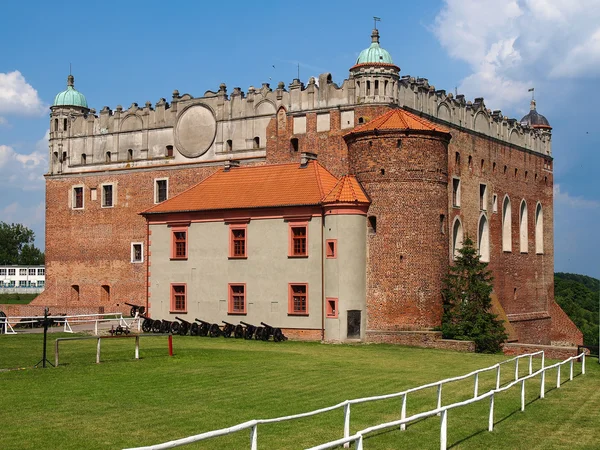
[347, 190]
[254, 187]
[399, 119]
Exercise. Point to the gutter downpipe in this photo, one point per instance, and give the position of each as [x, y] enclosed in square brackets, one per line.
[322, 275]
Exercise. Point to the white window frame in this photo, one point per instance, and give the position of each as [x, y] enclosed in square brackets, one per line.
[114, 196]
[133, 260]
[82, 196]
[156, 180]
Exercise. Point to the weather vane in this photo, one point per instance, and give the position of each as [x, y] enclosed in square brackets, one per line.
[376, 19]
[531, 90]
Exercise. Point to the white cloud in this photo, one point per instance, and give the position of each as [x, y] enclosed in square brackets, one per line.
[19, 97]
[23, 171]
[513, 45]
[564, 200]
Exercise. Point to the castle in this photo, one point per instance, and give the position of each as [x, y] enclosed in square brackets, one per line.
[330, 211]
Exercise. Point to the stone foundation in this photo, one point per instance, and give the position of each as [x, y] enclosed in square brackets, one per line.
[550, 351]
[425, 339]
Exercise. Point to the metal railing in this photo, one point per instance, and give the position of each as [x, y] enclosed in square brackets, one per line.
[252, 425]
[358, 437]
[67, 321]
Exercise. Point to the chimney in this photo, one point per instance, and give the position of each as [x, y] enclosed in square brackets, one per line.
[230, 163]
[307, 157]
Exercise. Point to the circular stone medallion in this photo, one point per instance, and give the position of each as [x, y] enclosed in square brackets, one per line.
[195, 131]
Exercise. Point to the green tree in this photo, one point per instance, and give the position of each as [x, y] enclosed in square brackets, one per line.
[16, 245]
[467, 302]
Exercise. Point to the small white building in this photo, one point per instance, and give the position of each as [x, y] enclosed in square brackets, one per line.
[22, 278]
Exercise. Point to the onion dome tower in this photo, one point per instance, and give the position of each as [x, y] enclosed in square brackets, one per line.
[67, 106]
[534, 119]
[401, 160]
[375, 75]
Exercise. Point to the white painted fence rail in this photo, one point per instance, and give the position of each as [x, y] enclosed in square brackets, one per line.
[67, 321]
[442, 411]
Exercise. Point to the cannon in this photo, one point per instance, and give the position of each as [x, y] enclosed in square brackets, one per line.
[147, 324]
[277, 334]
[204, 327]
[184, 327]
[135, 309]
[165, 326]
[194, 329]
[228, 329]
[249, 330]
[239, 331]
[156, 325]
[119, 330]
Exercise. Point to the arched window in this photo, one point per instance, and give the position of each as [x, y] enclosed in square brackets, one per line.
[523, 241]
[457, 238]
[256, 143]
[108, 157]
[506, 226]
[83, 158]
[130, 154]
[539, 229]
[55, 124]
[483, 239]
[229, 145]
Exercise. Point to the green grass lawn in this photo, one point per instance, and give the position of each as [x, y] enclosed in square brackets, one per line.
[16, 299]
[215, 383]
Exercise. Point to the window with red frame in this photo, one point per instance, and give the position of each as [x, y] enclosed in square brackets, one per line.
[178, 297]
[331, 249]
[332, 308]
[238, 243]
[298, 240]
[179, 244]
[237, 299]
[298, 299]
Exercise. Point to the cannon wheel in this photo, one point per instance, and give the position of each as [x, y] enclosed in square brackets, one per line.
[215, 331]
[278, 335]
[228, 330]
[147, 325]
[258, 334]
[266, 334]
[156, 326]
[119, 330]
[175, 326]
[132, 311]
[142, 310]
[194, 329]
[183, 329]
[2, 314]
[165, 326]
[248, 332]
[239, 332]
[203, 329]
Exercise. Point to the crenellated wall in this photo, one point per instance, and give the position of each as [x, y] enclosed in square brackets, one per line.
[221, 126]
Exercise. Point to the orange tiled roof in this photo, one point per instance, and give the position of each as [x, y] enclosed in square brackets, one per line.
[347, 190]
[399, 119]
[254, 187]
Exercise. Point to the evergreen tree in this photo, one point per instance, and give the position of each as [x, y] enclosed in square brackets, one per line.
[467, 302]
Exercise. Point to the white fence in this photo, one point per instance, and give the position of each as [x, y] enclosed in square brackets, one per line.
[68, 321]
[440, 410]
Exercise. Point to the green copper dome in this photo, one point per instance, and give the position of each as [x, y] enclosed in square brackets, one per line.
[70, 97]
[374, 54]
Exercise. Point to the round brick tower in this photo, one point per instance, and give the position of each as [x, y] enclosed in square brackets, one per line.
[402, 162]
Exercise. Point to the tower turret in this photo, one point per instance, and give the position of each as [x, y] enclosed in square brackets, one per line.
[401, 160]
[375, 75]
[67, 106]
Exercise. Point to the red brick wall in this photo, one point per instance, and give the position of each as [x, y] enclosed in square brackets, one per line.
[522, 281]
[563, 330]
[91, 247]
[408, 254]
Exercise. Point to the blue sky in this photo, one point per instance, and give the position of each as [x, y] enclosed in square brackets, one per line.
[125, 52]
